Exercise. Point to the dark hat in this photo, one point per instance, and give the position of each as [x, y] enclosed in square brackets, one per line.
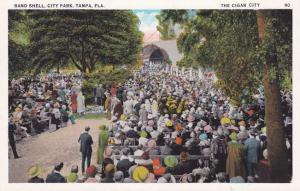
[74, 168]
[59, 166]
[125, 151]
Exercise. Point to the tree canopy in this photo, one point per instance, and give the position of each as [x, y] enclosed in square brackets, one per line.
[227, 41]
[84, 38]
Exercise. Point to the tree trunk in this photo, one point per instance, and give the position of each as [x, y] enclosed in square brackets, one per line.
[58, 67]
[277, 151]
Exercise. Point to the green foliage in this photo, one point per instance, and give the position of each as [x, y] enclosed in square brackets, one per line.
[85, 38]
[276, 50]
[165, 28]
[17, 60]
[227, 41]
[18, 41]
[91, 80]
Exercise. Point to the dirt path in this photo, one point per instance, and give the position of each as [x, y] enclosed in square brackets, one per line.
[49, 148]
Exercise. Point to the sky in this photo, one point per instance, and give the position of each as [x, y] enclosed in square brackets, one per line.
[148, 24]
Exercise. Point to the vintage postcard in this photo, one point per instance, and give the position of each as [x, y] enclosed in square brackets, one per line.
[199, 94]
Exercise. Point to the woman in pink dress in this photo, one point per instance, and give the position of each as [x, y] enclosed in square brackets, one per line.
[113, 90]
[74, 102]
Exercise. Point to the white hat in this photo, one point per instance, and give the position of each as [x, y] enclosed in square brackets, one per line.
[150, 116]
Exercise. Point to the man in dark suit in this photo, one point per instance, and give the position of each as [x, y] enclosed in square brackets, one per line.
[55, 176]
[86, 142]
[11, 128]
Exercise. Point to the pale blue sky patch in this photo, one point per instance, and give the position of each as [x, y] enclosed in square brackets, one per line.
[147, 19]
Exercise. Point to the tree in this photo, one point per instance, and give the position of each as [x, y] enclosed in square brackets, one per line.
[17, 44]
[86, 38]
[274, 29]
[166, 29]
[17, 59]
[246, 49]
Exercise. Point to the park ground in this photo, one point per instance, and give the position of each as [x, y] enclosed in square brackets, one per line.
[47, 149]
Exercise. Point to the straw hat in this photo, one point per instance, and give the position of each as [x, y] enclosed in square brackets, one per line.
[72, 177]
[170, 161]
[233, 136]
[169, 123]
[140, 174]
[34, 171]
[144, 134]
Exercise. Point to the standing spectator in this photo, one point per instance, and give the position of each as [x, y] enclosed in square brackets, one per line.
[252, 147]
[113, 90]
[11, 137]
[107, 105]
[86, 142]
[74, 102]
[219, 150]
[102, 142]
[80, 103]
[99, 94]
[56, 116]
[235, 161]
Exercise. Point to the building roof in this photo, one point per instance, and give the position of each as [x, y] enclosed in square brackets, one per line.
[170, 47]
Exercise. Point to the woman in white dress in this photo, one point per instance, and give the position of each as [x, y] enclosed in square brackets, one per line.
[80, 103]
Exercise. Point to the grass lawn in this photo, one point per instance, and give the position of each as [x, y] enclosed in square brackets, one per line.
[91, 116]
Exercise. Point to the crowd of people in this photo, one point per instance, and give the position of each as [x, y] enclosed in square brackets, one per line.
[45, 103]
[165, 128]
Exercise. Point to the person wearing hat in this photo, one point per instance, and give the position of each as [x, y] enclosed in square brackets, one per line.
[235, 164]
[140, 174]
[55, 176]
[252, 147]
[73, 177]
[166, 148]
[263, 169]
[102, 143]
[218, 149]
[170, 161]
[91, 172]
[34, 173]
[86, 142]
[56, 116]
[153, 150]
[124, 163]
[145, 161]
[109, 174]
[107, 105]
[80, 103]
[221, 177]
[99, 94]
[11, 137]
[119, 177]
[143, 114]
[158, 169]
[184, 165]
